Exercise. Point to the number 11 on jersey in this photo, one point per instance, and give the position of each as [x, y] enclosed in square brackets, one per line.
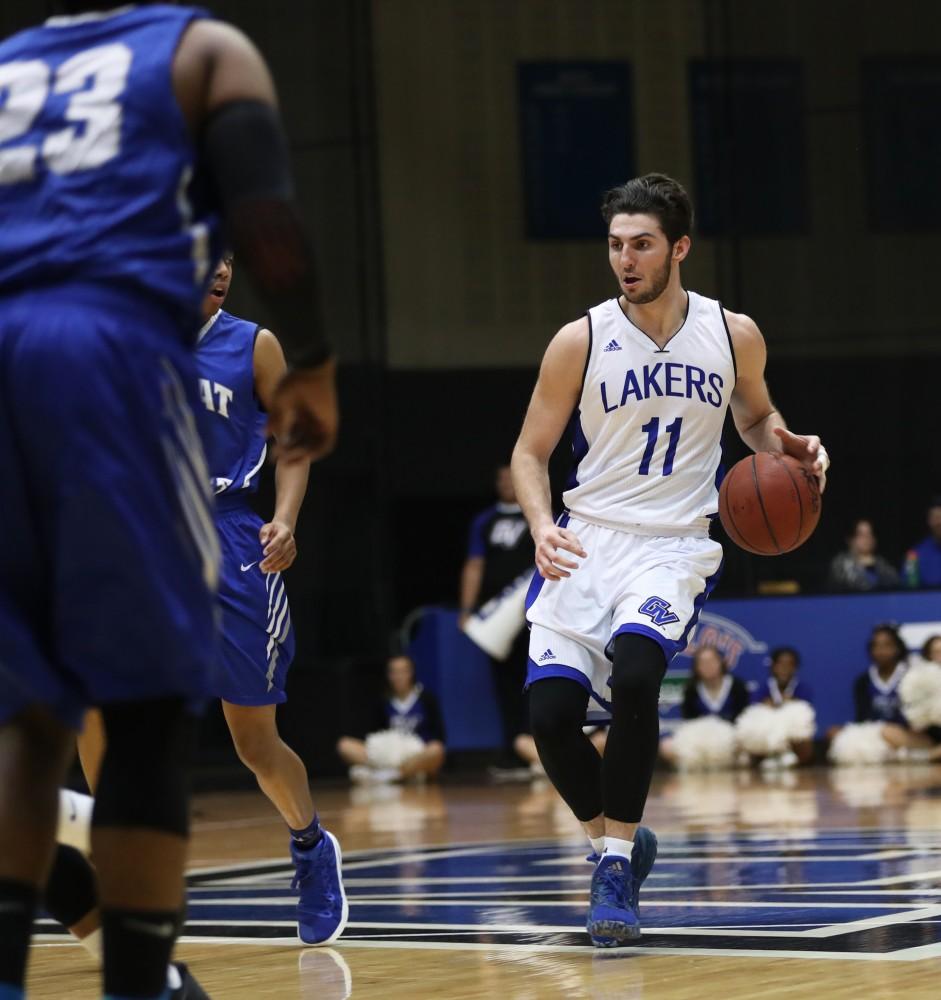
[652, 430]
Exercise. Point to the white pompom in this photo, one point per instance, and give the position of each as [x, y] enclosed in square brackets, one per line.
[858, 744]
[391, 748]
[706, 744]
[761, 732]
[920, 691]
[798, 719]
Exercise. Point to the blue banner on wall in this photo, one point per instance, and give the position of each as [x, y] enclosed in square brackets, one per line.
[576, 140]
[830, 633]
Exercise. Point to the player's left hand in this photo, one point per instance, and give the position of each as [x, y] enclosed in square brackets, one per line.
[280, 549]
[808, 450]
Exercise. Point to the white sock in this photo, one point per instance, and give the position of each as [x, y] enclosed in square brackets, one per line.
[597, 844]
[174, 980]
[75, 820]
[613, 847]
[92, 944]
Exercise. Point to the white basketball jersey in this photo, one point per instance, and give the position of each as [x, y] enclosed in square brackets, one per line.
[648, 428]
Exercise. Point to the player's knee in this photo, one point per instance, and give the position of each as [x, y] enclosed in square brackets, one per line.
[638, 669]
[143, 774]
[256, 746]
[557, 706]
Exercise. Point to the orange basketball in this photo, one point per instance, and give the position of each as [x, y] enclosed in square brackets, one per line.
[769, 503]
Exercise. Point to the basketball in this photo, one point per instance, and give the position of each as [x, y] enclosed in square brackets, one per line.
[769, 504]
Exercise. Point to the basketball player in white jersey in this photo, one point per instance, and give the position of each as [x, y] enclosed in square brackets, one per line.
[646, 378]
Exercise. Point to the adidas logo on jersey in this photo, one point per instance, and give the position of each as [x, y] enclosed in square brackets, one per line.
[547, 655]
[612, 346]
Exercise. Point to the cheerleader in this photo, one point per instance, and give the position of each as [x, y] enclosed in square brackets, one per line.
[883, 730]
[406, 734]
[784, 683]
[713, 694]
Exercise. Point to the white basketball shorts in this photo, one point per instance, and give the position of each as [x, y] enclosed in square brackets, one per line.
[653, 586]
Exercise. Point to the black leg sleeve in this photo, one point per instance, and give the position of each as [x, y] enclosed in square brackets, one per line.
[633, 739]
[557, 707]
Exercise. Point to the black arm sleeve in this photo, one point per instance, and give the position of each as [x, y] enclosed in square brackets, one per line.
[245, 154]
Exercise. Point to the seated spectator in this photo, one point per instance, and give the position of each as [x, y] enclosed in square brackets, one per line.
[882, 732]
[404, 735]
[710, 691]
[922, 566]
[860, 567]
[784, 684]
[783, 687]
[931, 649]
[875, 692]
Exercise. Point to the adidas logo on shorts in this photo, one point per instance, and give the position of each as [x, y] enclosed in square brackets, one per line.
[612, 345]
[547, 655]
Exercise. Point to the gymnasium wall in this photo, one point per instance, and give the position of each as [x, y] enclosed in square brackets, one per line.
[465, 287]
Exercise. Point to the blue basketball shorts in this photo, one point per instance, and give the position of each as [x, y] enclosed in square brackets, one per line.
[257, 642]
[108, 552]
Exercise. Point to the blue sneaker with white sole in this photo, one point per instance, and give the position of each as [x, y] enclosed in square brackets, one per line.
[322, 910]
[643, 856]
[611, 918]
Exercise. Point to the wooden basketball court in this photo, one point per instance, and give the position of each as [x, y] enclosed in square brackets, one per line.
[819, 884]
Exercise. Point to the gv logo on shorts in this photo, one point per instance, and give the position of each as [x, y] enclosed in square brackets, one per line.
[658, 610]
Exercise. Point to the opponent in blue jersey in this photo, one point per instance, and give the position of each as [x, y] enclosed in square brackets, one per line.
[239, 364]
[108, 558]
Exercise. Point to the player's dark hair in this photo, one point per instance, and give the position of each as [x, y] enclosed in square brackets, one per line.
[780, 651]
[652, 194]
[892, 631]
[935, 501]
[926, 646]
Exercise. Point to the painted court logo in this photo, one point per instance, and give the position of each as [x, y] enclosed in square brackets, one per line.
[547, 655]
[658, 610]
[612, 345]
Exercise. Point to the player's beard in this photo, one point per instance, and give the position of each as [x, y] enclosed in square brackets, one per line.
[658, 283]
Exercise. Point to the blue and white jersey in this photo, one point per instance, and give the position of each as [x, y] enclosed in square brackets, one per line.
[234, 431]
[796, 690]
[885, 702]
[97, 164]
[649, 422]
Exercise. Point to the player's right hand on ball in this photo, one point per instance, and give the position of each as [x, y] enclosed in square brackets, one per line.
[551, 542]
[302, 414]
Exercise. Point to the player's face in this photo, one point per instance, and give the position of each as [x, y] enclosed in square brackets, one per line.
[934, 651]
[641, 257]
[784, 668]
[218, 287]
[401, 675]
[708, 665]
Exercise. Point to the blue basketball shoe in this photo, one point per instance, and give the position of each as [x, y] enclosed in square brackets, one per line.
[322, 910]
[614, 912]
[611, 919]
